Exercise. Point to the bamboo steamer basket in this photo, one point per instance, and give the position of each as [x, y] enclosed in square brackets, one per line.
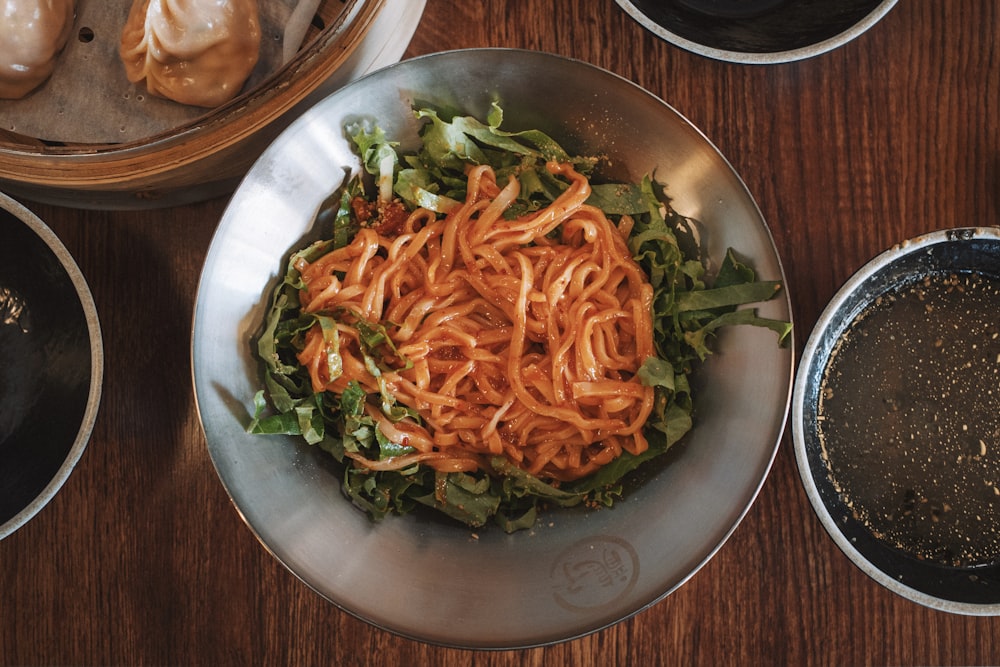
[204, 157]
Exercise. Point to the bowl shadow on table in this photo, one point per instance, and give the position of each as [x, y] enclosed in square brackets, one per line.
[150, 542]
[148, 330]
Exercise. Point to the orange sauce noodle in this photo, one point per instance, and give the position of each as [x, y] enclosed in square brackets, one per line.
[522, 342]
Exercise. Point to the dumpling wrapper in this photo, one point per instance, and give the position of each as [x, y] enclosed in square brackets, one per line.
[32, 33]
[197, 52]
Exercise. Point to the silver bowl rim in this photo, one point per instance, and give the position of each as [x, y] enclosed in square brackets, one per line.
[807, 361]
[762, 58]
[86, 298]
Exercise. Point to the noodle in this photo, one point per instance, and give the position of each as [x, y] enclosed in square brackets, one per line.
[516, 337]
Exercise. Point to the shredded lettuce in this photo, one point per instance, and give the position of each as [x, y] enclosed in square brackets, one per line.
[687, 312]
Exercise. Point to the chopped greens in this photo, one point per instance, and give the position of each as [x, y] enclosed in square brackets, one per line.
[687, 313]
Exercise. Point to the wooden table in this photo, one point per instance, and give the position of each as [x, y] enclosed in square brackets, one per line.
[142, 559]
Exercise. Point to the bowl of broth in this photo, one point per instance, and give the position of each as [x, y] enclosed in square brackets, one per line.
[895, 420]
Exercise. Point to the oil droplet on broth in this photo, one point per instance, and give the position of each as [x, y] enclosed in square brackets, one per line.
[910, 418]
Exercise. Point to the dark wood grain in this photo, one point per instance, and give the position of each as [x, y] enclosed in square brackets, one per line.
[141, 558]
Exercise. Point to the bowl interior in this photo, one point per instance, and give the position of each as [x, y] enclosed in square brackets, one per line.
[50, 353]
[758, 30]
[576, 571]
[972, 589]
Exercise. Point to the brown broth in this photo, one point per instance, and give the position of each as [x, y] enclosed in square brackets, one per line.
[909, 419]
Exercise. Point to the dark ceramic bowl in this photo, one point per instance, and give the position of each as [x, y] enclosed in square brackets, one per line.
[757, 31]
[51, 365]
[895, 420]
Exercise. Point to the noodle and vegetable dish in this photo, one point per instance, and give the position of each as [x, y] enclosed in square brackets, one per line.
[486, 332]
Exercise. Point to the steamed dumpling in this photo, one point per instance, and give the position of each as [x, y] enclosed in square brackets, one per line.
[198, 52]
[32, 33]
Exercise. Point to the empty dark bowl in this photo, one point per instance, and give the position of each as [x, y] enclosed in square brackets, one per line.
[895, 420]
[51, 365]
[757, 31]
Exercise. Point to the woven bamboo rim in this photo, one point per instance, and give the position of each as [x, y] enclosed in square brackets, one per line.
[179, 165]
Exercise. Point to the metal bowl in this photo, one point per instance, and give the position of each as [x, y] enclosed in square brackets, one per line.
[578, 570]
[757, 31]
[895, 517]
[51, 365]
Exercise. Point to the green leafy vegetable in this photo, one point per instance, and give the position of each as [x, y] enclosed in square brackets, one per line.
[687, 311]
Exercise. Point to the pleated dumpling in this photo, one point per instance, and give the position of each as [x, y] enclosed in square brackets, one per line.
[197, 52]
[32, 33]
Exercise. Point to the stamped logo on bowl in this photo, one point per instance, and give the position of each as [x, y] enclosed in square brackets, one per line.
[594, 572]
